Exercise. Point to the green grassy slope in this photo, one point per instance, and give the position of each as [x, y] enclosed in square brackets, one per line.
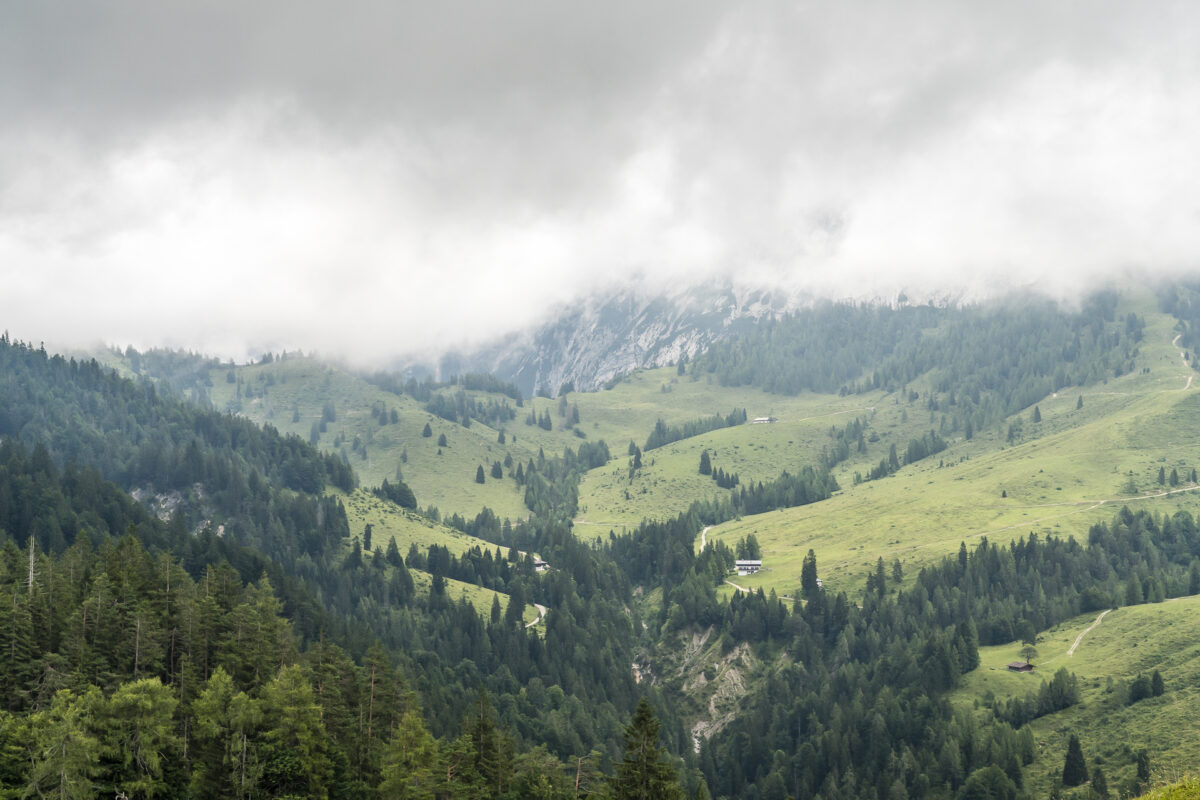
[480, 597]
[1064, 474]
[669, 480]
[439, 476]
[1128, 641]
[389, 521]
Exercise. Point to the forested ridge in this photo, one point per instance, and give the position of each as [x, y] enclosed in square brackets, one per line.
[984, 362]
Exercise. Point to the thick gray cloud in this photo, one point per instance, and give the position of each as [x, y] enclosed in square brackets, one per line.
[384, 177]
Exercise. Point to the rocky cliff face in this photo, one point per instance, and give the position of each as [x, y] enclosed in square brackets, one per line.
[595, 340]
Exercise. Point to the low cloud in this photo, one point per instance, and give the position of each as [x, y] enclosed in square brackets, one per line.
[415, 177]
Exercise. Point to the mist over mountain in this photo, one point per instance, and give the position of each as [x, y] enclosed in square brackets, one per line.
[597, 338]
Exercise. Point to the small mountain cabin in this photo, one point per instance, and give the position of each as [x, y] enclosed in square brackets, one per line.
[1021, 666]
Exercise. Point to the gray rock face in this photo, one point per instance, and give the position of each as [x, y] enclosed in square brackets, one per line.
[597, 339]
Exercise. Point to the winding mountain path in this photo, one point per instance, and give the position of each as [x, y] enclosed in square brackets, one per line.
[1079, 638]
[541, 615]
[704, 538]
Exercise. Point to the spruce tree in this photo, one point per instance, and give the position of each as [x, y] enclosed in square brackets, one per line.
[1079, 403]
[1075, 769]
[705, 463]
[1037, 414]
[644, 773]
[808, 575]
[427, 431]
[479, 476]
[1099, 783]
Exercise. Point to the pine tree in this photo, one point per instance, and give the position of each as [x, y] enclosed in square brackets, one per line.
[1075, 769]
[1079, 403]
[409, 761]
[808, 575]
[644, 773]
[441, 442]
[427, 431]
[1099, 783]
[65, 752]
[1156, 684]
[1162, 476]
[705, 463]
[497, 470]
[1037, 414]
[1143, 766]
[479, 476]
[139, 735]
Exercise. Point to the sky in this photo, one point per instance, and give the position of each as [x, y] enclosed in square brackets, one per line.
[381, 178]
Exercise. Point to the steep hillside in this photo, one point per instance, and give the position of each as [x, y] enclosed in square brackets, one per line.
[588, 344]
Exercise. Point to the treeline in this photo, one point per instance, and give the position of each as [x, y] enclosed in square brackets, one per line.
[1061, 691]
[664, 434]
[423, 391]
[552, 484]
[851, 437]
[461, 408]
[985, 362]
[929, 444]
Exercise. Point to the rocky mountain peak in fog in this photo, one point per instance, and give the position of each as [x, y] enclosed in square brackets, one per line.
[596, 339]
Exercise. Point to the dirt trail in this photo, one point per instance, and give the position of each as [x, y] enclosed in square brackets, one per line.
[704, 538]
[1079, 638]
[541, 615]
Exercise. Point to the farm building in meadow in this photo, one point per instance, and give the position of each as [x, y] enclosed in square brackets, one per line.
[748, 566]
[763, 420]
[1021, 666]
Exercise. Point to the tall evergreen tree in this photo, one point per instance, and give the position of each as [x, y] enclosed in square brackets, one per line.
[644, 774]
[1075, 769]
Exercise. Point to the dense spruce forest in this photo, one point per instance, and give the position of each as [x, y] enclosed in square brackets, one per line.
[184, 611]
[987, 362]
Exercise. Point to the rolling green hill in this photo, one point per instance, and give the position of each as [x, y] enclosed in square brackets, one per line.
[1059, 475]
[1127, 642]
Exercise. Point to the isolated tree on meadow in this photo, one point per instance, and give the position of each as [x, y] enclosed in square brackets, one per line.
[479, 477]
[442, 440]
[808, 575]
[1075, 769]
[1037, 414]
[427, 431]
[705, 463]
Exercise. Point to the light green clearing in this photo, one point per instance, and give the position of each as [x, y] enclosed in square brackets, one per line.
[1129, 641]
[479, 597]
[389, 521]
[440, 476]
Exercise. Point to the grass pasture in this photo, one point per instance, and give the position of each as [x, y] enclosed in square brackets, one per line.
[1130, 640]
[389, 521]
[1062, 475]
[479, 597]
[440, 476]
